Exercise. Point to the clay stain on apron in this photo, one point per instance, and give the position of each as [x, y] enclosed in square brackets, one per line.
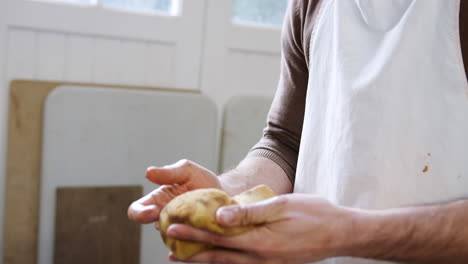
[426, 168]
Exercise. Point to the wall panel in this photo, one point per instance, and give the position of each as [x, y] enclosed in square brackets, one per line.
[107, 67]
[89, 59]
[246, 73]
[252, 72]
[21, 54]
[50, 63]
[79, 55]
[160, 65]
[132, 62]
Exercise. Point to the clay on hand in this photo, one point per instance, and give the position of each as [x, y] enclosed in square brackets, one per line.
[198, 209]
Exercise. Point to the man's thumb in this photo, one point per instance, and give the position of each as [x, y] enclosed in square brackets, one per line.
[266, 211]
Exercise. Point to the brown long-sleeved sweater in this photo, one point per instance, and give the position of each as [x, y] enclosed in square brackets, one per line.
[282, 136]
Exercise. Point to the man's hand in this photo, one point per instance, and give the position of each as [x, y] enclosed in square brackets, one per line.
[294, 228]
[185, 176]
[175, 179]
[300, 228]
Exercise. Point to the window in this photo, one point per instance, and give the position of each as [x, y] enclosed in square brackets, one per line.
[259, 12]
[165, 6]
[72, 1]
[161, 6]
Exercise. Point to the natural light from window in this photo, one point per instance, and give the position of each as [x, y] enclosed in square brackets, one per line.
[169, 7]
[72, 1]
[259, 12]
[165, 6]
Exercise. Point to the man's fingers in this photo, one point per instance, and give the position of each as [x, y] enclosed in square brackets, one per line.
[146, 209]
[176, 173]
[252, 241]
[252, 214]
[186, 232]
[172, 179]
[143, 214]
[222, 256]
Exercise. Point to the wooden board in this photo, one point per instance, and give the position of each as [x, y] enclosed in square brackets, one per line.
[243, 122]
[92, 227]
[23, 167]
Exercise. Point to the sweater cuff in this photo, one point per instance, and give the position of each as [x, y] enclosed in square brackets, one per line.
[276, 158]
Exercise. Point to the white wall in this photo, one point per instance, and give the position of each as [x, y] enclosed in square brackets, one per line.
[201, 50]
[44, 55]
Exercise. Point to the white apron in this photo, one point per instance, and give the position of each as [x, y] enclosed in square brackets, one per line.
[386, 122]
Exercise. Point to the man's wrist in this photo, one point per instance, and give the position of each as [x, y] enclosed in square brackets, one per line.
[423, 234]
[374, 234]
[367, 233]
[253, 171]
[225, 186]
[232, 183]
[353, 232]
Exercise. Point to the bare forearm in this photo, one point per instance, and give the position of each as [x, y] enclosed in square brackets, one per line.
[253, 171]
[426, 234]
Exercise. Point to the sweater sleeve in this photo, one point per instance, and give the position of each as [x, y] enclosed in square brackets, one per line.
[282, 135]
[464, 33]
